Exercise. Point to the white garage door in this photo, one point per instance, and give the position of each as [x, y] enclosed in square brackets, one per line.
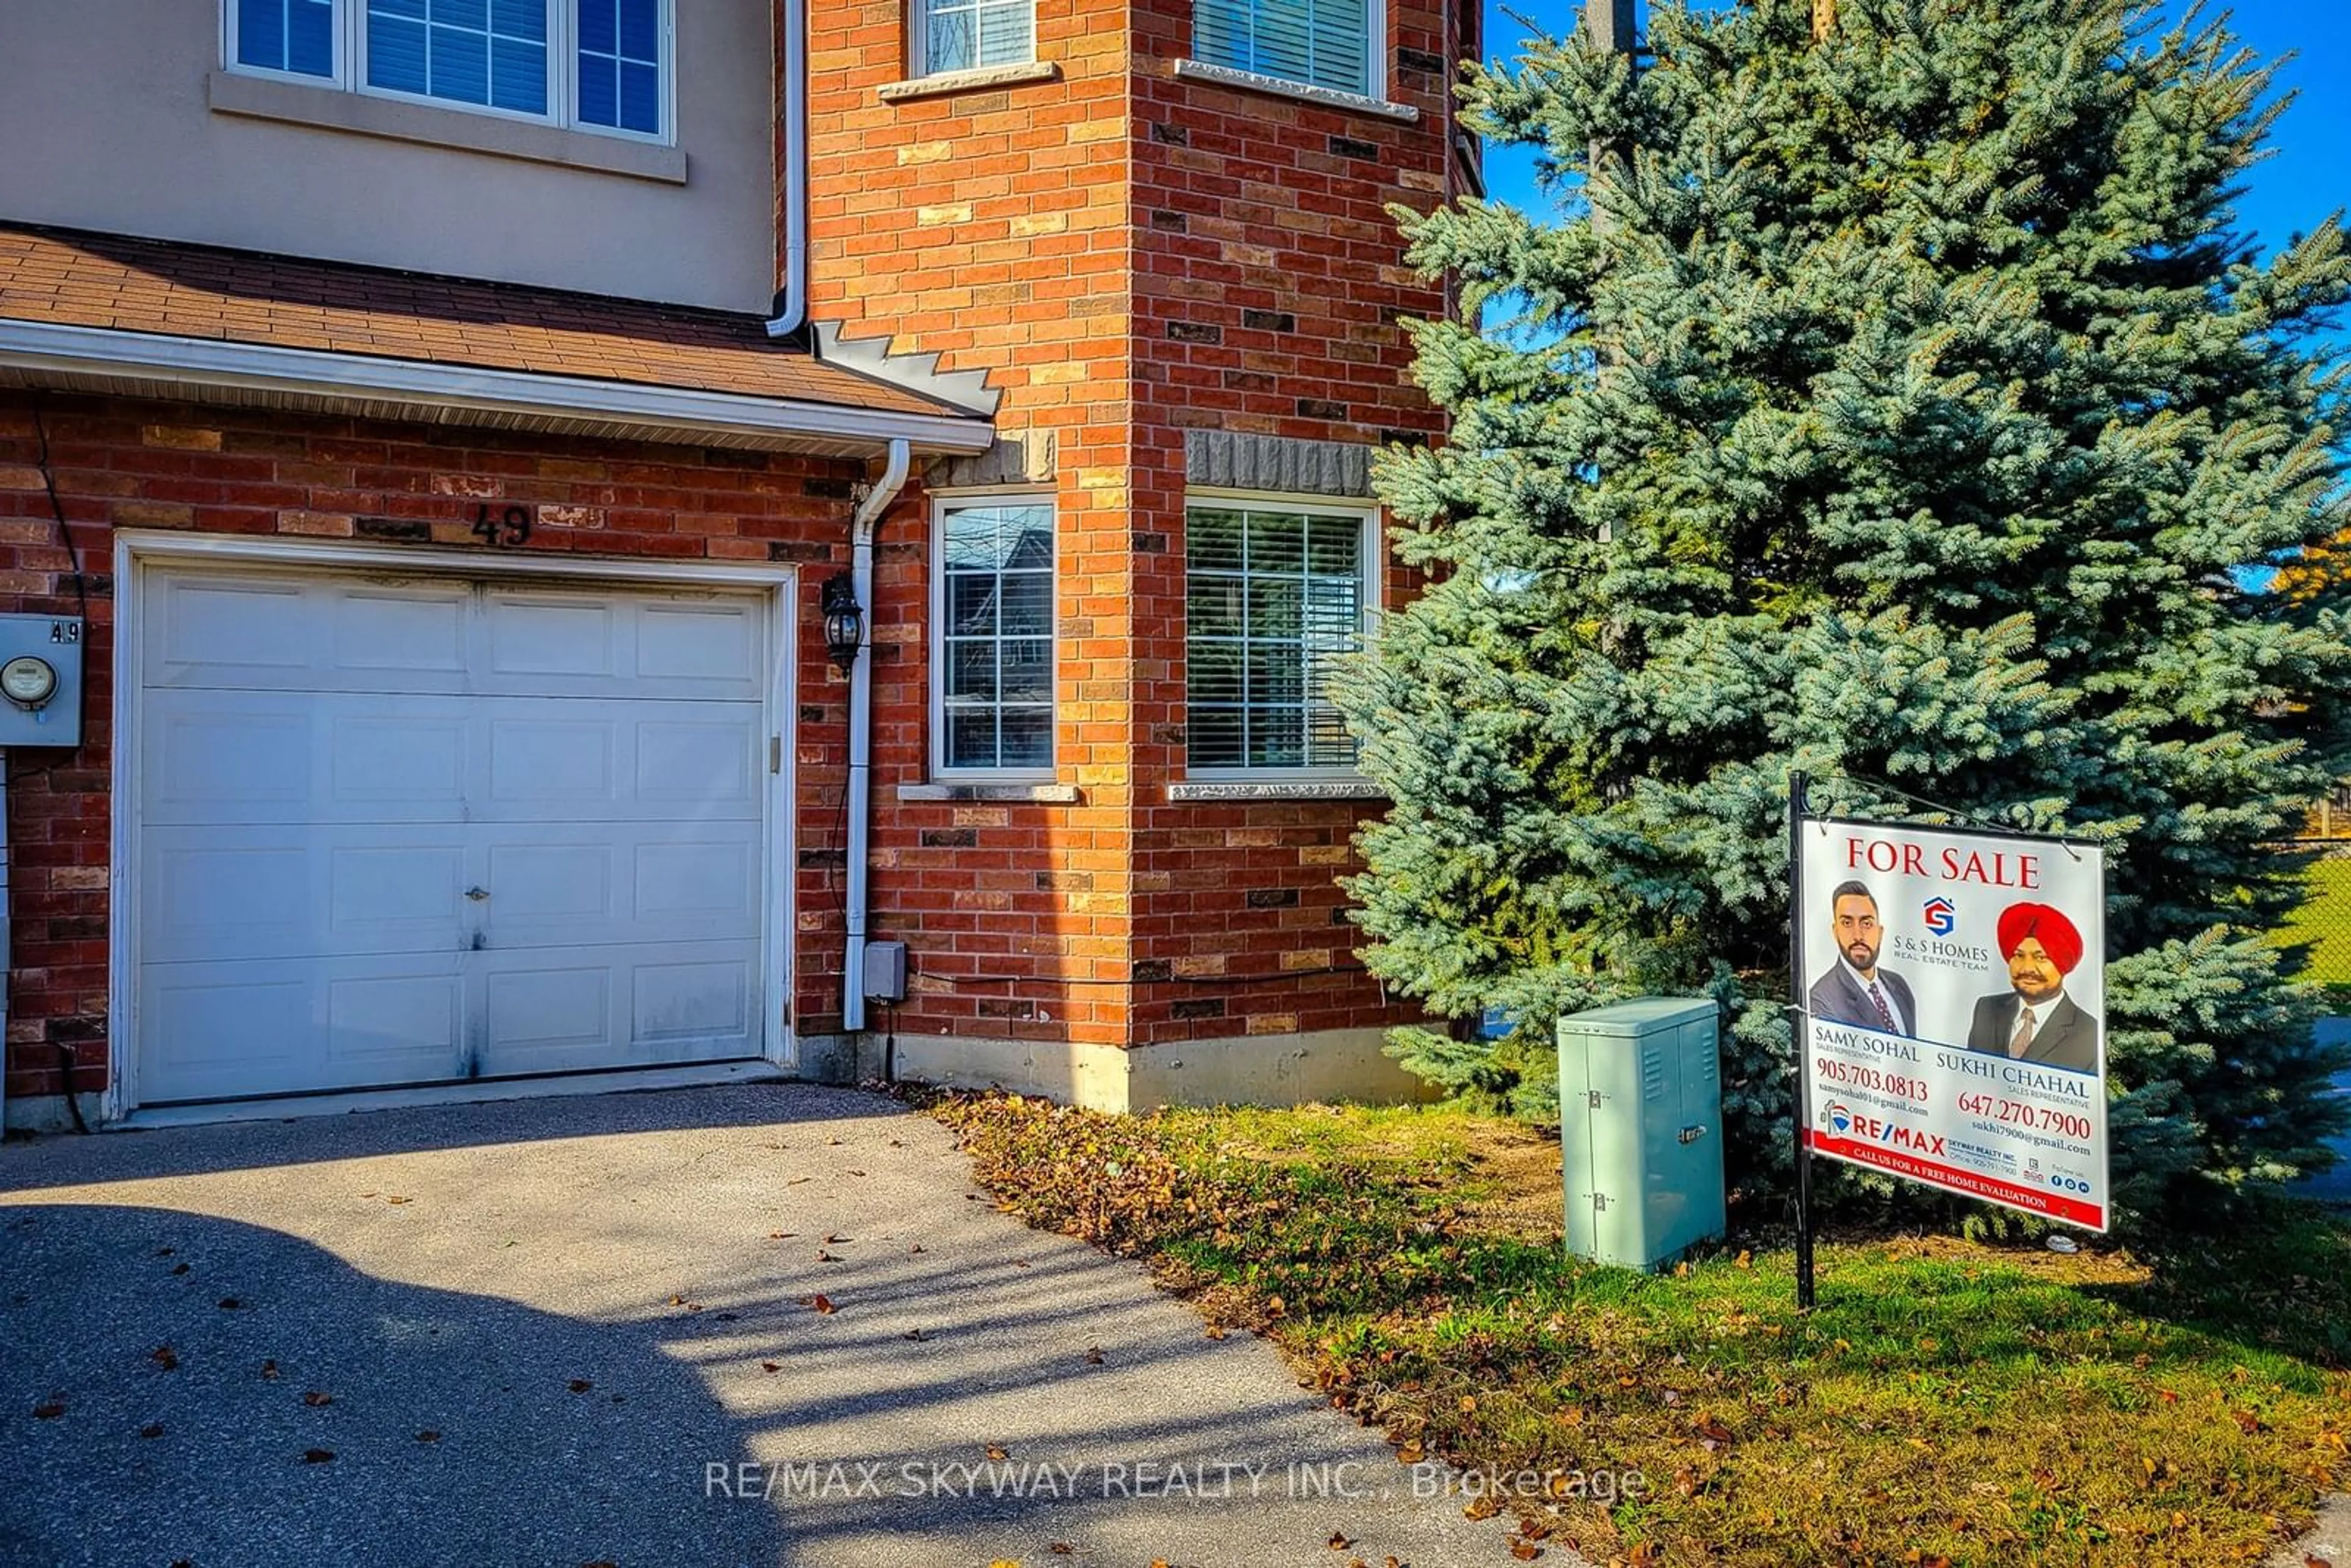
[407, 830]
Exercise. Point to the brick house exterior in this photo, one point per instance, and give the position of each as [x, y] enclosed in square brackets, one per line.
[1108, 284]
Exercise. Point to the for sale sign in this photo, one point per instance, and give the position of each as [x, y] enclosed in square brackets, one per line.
[1953, 991]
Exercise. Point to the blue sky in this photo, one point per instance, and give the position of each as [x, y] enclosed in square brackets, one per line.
[2308, 178]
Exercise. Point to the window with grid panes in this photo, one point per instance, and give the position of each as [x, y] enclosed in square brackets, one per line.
[994, 638]
[1273, 598]
[600, 65]
[963, 34]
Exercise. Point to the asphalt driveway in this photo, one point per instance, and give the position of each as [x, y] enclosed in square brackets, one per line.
[593, 1330]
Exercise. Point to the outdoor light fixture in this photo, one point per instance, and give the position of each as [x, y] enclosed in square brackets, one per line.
[844, 621]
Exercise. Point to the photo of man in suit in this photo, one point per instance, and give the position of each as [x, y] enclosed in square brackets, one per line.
[2034, 1019]
[1855, 990]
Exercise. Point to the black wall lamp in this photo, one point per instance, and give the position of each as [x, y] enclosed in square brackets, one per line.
[844, 621]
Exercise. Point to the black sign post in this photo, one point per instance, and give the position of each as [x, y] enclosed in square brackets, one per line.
[1797, 780]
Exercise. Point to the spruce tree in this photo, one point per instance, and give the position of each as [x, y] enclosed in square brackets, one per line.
[1899, 404]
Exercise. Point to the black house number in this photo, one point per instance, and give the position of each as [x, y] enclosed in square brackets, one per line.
[505, 530]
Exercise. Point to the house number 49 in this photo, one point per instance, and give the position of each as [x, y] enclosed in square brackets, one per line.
[505, 530]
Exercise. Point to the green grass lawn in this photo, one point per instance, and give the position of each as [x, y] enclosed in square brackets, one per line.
[1947, 1403]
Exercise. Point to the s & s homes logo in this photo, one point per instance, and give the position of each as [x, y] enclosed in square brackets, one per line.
[1940, 916]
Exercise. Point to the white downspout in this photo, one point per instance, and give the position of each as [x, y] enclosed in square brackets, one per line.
[867, 523]
[792, 306]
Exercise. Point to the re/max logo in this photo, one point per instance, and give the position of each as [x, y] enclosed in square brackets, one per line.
[1850, 1123]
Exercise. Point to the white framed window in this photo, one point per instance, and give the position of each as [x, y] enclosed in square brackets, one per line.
[963, 35]
[992, 637]
[1333, 44]
[604, 66]
[1277, 591]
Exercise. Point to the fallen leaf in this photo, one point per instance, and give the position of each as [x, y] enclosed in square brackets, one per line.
[856, 1173]
[771, 1366]
[165, 1357]
[152, 1429]
[428, 1436]
[400, 1200]
[824, 1256]
[1215, 1333]
[1338, 1542]
[782, 1235]
[1745, 1260]
[1275, 1305]
[835, 1238]
[317, 1398]
[269, 1371]
[179, 1268]
[580, 1385]
[1482, 1506]
[230, 1304]
[49, 1411]
[317, 1456]
[1057, 1548]
[998, 1452]
[1525, 1550]
[1094, 1355]
[823, 1304]
[1411, 1453]
[797, 1180]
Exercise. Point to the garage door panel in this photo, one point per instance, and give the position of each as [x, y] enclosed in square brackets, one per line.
[548, 643]
[403, 831]
[280, 891]
[276, 633]
[214, 756]
[646, 760]
[218, 1030]
[413, 755]
[693, 997]
[554, 1010]
[220, 756]
[601, 883]
[704, 765]
[717, 644]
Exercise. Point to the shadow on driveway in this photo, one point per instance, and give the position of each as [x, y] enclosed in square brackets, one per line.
[460, 1269]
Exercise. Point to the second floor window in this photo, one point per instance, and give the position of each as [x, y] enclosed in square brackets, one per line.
[963, 35]
[595, 64]
[1316, 43]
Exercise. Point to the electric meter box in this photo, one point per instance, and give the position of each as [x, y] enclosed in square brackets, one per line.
[40, 680]
[1640, 1121]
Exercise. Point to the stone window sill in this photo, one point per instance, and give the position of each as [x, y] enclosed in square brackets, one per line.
[1023, 794]
[1276, 789]
[1330, 98]
[978, 80]
[329, 108]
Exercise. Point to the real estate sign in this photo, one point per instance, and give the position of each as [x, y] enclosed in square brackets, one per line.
[1954, 1010]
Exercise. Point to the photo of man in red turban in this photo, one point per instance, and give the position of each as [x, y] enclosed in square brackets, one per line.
[2034, 1021]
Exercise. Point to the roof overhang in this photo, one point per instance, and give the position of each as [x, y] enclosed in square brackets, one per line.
[149, 364]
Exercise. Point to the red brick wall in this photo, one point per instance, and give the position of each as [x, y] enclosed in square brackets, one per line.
[990, 227]
[1266, 299]
[166, 465]
[1128, 255]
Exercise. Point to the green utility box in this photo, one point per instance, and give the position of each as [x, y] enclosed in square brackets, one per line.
[1640, 1124]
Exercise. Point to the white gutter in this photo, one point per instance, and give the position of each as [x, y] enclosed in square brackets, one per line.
[424, 390]
[791, 306]
[860, 785]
